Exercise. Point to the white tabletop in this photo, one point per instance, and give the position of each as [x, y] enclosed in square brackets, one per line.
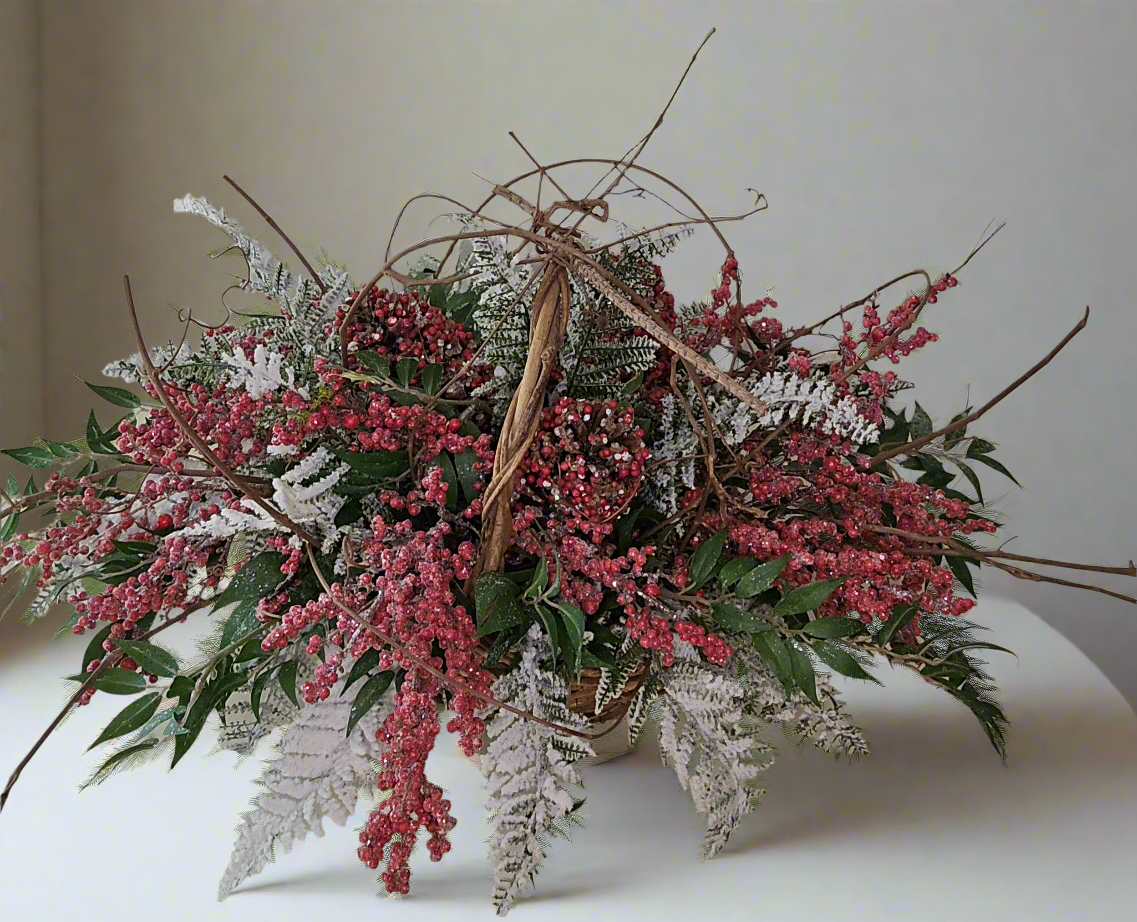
[930, 827]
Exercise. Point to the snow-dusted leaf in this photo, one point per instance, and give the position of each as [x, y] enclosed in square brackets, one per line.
[528, 769]
[319, 772]
[705, 737]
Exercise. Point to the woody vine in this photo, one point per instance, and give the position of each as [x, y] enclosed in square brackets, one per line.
[522, 486]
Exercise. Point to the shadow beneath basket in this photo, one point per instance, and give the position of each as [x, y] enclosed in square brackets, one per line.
[939, 771]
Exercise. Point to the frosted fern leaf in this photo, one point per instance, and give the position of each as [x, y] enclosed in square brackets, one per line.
[714, 750]
[527, 768]
[319, 773]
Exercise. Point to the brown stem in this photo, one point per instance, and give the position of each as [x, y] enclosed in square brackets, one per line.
[243, 484]
[909, 447]
[108, 660]
[280, 232]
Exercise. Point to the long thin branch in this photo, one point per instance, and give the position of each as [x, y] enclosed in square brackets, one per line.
[107, 661]
[909, 447]
[276, 227]
[243, 484]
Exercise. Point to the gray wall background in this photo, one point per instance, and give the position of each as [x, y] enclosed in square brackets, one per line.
[885, 136]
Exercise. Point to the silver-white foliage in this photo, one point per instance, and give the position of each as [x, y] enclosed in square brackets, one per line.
[240, 730]
[826, 725]
[788, 394]
[319, 773]
[673, 469]
[705, 737]
[529, 770]
[267, 274]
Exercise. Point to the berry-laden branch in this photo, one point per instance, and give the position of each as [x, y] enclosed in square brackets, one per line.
[909, 447]
[239, 481]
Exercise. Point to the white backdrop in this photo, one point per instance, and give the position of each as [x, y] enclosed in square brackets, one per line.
[885, 136]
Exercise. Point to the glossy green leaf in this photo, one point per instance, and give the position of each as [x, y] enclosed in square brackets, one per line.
[257, 691]
[432, 378]
[831, 627]
[405, 370]
[806, 598]
[900, 617]
[921, 424]
[286, 676]
[735, 619]
[540, 579]
[774, 654]
[117, 681]
[704, 560]
[95, 649]
[129, 719]
[374, 363]
[257, 579]
[116, 395]
[801, 668]
[549, 623]
[996, 466]
[969, 473]
[31, 457]
[369, 694]
[840, 660]
[760, 578]
[574, 622]
[60, 449]
[151, 658]
[733, 570]
[376, 465]
[464, 466]
[962, 572]
[361, 667]
[633, 385]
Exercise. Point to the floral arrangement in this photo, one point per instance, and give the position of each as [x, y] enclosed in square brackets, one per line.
[523, 490]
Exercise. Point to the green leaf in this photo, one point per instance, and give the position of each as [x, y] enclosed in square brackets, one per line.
[94, 432]
[921, 422]
[129, 719]
[104, 770]
[376, 465]
[116, 395]
[959, 568]
[995, 465]
[432, 378]
[840, 660]
[900, 617]
[120, 682]
[806, 598]
[405, 370]
[802, 671]
[369, 694]
[574, 628]
[286, 676]
[375, 363]
[255, 695]
[831, 627]
[240, 622]
[733, 570]
[11, 523]
[60, 449]
[467, 476]
[170, 714]
[540, 579]
[495, 601]
[634, 385]
[349, 513]
[760, 578]
[95, 649]
[774, 654]
[735, 619]
[979, 447]
[151, 658]
[256, 579]
[704, 559]
[366, 662]
[31, 457]
[970, 474]
[549, 623]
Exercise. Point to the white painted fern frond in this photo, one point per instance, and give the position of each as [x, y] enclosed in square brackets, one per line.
[320, 772]
[528, 769]
[707, 740]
